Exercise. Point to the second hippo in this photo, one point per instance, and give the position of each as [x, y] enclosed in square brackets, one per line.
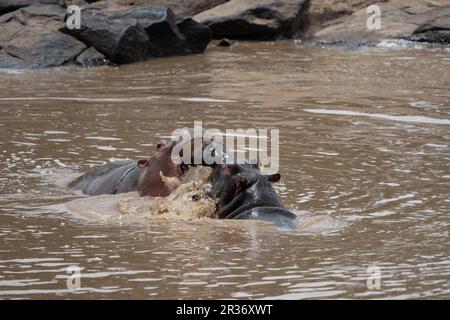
[151, 177]
[243, 192]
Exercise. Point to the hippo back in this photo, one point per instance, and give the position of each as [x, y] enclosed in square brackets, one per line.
[278, 216]
[114, 177]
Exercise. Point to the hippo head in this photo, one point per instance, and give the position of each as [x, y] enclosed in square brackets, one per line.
[156, 171]
[239, 187]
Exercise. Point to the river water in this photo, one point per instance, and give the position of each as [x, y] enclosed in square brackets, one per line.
[364, 141]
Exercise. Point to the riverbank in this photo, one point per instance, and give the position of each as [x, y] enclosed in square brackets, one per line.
[33, 33]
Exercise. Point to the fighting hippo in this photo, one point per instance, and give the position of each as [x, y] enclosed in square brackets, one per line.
[243, 192]
[149, 177]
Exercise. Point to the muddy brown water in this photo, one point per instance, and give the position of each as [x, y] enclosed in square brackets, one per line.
[364, 140]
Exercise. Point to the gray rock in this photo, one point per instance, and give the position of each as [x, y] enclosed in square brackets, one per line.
[255, 19]
[415, 20]
[91, 58]
[31, 35]
[9, 62]
[37, 36]
[120, 40]
[197, 35]
[36, 15]
[12, 5]
[179, 7]
[225, 42]
[164, 38]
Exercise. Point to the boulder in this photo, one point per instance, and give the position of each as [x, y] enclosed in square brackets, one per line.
[80, 3]
[12, 5]
[10, 62]
[179, 7]
[224, 42]
[37, 36]
[415, 20]
[322, 12]
[255, 19]
[31, 36]
[91, 58]
[140, 33]
[197, 35]
[120, 40]
[164, 38]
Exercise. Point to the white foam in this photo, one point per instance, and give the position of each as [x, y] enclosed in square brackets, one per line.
[80, 99]
[412, 119]
[103, 138]
[199, 99]
[55, 132]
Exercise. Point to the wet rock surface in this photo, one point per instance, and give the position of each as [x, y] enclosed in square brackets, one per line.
[415, 20]
[30, 38]
[254, 18]
[179, 7]
[12, 5]
[36, 36]
[92, 58]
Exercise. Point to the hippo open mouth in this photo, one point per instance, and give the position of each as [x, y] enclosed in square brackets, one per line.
[155, 176]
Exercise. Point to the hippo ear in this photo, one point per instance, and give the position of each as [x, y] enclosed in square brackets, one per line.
[142, 163]
[274, 177]
[161, 144]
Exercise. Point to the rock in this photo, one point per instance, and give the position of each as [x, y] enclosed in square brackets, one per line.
[321, 12]
[120, 40]
[36, 15]
[9, 62]
[31, 35]
[164, 38]
[81, 3]
[36, 36]
[12, 5]
[197, 35]
[140, 33]
[91, 58]
[255, 19]
[436, 29]
[404, 19]
[224, 42]
[42, 49]
[179, 7]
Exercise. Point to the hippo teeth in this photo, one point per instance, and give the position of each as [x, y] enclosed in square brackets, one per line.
[171, 182]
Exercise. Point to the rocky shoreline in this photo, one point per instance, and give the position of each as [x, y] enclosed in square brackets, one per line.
[33, 33]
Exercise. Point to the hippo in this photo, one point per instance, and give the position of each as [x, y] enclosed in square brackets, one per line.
[150, 177]
[243, 192]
